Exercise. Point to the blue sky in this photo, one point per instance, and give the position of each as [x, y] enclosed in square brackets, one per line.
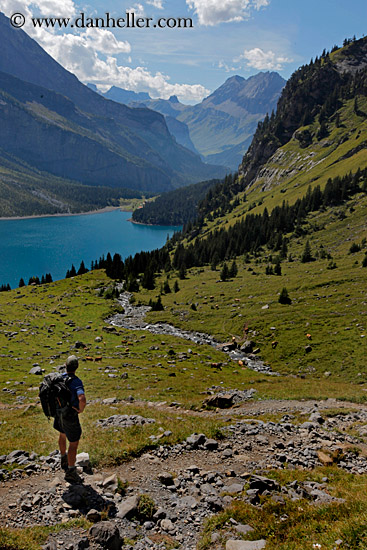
[228, 37]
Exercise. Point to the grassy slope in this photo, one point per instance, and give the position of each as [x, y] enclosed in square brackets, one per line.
[289, 172]
[34, 329]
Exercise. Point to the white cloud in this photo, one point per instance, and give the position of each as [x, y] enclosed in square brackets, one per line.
[90, 56]
[213, 12]
[138, 9]
[140, 79]
[258, 59]
[66, 8]
[45, 7]
[227, 68]
[156, 4]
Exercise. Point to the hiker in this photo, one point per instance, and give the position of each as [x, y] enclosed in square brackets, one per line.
[67, 421]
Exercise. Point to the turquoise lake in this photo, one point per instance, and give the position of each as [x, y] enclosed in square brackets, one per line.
[34, 247]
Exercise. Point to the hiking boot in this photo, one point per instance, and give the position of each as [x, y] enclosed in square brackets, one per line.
[72, 476]
[64, 462]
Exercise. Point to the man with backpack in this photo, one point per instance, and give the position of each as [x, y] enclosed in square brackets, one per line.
[67, 420]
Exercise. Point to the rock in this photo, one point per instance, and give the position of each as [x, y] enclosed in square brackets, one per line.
[167, 525]
[110, 483]
[245, 544]
[82, 460]
[221, 400]
[166, 479]
[233, 489]
[93, 516]
[247, 346]
[109, 401]
[128, 507]
[186, 502]
[51, 545]
[124, 420]
[211, 444]
[81, 544]
[194, 440]
[229, 346]
[207, 489]
[107, 535]
[161, 513]
[227, 453]
[35, 370]
[325, 459]
[316, 417]
[79, 345]
[76, 496]
[262, 484]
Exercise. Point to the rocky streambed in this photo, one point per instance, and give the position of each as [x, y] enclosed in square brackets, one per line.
[133, 319]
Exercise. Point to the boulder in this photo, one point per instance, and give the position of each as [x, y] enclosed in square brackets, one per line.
[325, 459]
[247, 346]
[194, 440]
[107, 535]
[166, 478]
[35, 370]
[110, 483]
[82, 460]
[220, 401]
[128, 507]
[93, 516]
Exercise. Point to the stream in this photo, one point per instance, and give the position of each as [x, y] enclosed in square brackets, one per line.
[133, 319]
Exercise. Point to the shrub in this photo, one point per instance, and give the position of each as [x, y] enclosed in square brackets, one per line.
[354, 247]
[284, 297]
[146, 507]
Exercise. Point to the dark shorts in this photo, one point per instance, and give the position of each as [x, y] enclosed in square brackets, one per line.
[67, 422]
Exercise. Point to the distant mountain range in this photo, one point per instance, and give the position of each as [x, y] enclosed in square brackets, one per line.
[57, 125]
[221, 127]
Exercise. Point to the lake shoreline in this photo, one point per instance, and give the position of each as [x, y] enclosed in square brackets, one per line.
[64, 214]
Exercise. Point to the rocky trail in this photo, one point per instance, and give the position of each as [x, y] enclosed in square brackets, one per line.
[171, 491]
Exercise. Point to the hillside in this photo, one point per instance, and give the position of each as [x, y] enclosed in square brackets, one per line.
[26, 191]
[222, 125]
[176, 207]
[71, 132]
[241, 343]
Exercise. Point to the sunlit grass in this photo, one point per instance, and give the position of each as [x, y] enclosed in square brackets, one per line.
[301, 524]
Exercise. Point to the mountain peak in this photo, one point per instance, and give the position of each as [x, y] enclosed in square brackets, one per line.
[173, 99]
[251, 94]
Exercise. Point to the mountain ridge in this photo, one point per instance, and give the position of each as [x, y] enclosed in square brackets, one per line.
[222, 125]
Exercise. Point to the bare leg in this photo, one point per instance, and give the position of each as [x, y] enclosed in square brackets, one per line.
[72, 453]
[62, 443]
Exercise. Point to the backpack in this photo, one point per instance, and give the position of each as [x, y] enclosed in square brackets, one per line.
[54, 393]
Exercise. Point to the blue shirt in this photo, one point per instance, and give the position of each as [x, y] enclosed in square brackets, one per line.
[76, 388]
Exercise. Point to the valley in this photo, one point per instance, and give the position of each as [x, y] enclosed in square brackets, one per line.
[225, 371]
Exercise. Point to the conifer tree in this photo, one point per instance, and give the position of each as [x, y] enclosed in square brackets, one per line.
[307, 254]
[277, 267]
[224, 274]
[233, 270]
[182, 272]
